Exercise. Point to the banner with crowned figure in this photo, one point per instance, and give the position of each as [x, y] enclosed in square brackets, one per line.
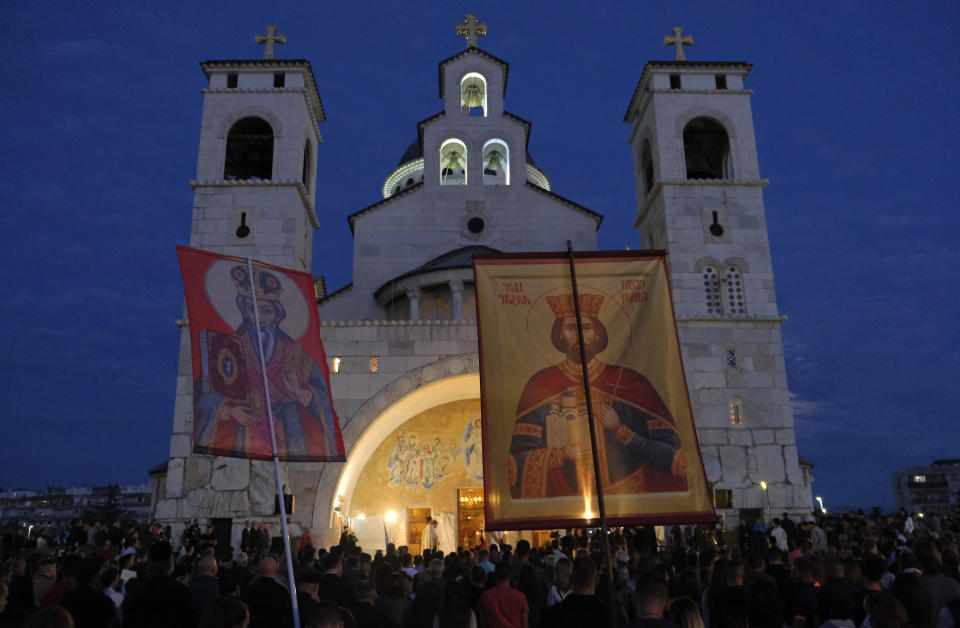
[537, 461]
[230, 415]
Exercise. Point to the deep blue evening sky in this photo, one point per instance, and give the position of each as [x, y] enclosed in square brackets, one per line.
[855, 107]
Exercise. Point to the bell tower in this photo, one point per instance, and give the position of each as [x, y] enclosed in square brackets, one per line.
[256, 170]
[700, 197]
[253, 197]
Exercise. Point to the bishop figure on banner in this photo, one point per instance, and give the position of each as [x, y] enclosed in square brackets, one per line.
[230, 412]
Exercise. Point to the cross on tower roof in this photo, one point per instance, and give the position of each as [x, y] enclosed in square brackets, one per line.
[678, 41]
[470, 27]
[269, 39]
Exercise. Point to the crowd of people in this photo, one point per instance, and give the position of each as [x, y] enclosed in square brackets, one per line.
[849, 569]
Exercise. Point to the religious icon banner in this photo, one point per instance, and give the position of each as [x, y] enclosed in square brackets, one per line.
[229, 405]
[538, 466]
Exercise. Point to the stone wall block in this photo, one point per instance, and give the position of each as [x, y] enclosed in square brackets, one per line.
[763, 437]
[734, 462]
[770, 466]
[711, 396]
[180, 446]
[167, 509]
[786, 437]
[712, 437]
[300, 481]
[197, 472]
[711, 463]
[175, 477]
[230, 474]
[740, 437]
[792, 465]
[262, 491]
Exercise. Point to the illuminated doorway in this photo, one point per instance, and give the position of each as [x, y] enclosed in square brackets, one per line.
[470, 519]
[416, 523]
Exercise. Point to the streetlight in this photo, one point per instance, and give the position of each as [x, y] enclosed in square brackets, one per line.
[820, 501]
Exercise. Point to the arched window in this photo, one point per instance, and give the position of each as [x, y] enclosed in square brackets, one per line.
[469, 302]
[496, 163]
[733, 280]
[249, 150]
[711, 288]
[706, 148]
[731, 358]
[646, 163]
[435, 304]
[736, 411]
[473, 95]
[306, 165]
[453, 163]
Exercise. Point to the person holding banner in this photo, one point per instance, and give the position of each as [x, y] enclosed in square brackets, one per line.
[550, 455]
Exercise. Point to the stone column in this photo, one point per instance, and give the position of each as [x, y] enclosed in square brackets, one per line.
[456, 289]
[413, 298]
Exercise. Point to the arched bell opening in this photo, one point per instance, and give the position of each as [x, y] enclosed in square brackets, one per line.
[646, 165]
[453, 163]
[249, 153]
[473, 95]
[307, 165]
[496, 163]
[706, 148]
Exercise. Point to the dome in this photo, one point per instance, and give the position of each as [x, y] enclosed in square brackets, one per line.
[413, 152]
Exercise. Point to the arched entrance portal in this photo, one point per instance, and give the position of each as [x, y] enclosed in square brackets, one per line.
[424, 467]
[434, 401]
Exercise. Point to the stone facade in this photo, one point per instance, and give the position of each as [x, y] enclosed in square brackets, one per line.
[402, 337]
[714, 230]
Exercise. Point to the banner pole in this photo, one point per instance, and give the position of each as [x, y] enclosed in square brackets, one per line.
[593, 442]
[276, 455]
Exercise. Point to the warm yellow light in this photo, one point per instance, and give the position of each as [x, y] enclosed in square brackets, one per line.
[361, 516]
[763, 485]
[391, 516]
[336, 364]
[920, 514]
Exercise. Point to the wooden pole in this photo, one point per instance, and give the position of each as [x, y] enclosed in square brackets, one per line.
[276, 455]
[593, 443]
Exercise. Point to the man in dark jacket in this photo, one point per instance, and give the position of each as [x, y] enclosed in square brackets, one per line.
[159, 601]
[582, 606]
[269, 601]
[205, 586]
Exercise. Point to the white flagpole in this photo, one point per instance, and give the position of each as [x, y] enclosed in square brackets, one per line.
[273, 442]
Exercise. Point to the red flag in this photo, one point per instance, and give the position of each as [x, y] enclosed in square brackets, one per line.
[229, 404]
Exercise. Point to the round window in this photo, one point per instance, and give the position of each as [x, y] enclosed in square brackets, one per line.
[475, 224]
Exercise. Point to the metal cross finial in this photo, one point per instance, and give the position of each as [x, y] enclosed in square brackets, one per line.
[269, 39]
[470, 27]
[678, 41]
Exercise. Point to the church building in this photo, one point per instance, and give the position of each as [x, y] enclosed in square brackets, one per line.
[401, 339]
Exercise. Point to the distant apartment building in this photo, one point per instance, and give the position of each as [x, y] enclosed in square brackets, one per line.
[933, 488]
[59, 506]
